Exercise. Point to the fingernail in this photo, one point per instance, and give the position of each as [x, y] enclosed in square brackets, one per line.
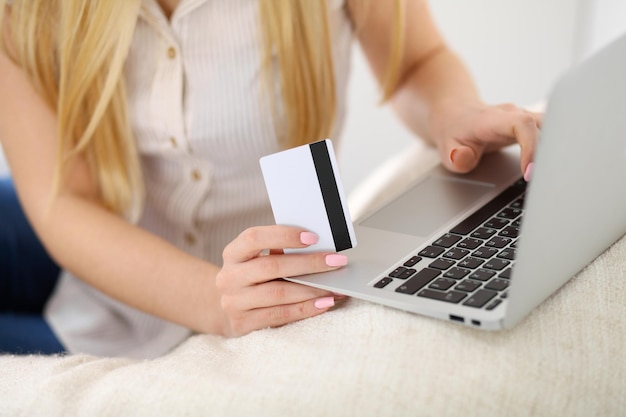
[336, 260]
[528, 174]
[308, 238]
[326, 302]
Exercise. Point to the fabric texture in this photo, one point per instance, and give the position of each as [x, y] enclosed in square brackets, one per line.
[201, 120]
[363, 359]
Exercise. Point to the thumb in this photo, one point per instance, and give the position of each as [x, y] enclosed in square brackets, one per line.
[462, 158]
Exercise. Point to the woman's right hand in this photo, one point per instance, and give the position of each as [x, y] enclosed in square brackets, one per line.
[251, 292]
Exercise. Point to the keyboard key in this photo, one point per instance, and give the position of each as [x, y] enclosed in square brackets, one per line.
[497, 284]
[496, 264]
[447, 240]
[450, 296]
[495, 303]
[431, 251]
[507, 254]
[488, 210]
[518, 204]
[418, 281]
[482, 274]
[480, 298]
[442, 264]
[483, 233]
[401, 272]
[521, 184]
[498, 242]
[496, 223]
[442, 284]
[509, 231]
[456, 273]
[510, 213]
[456, 253]
[383, 282]
[506, 274]
[517, 223]
[412, 261]
[467, 285]
[470, 243]
[471, 263]
[485, 252]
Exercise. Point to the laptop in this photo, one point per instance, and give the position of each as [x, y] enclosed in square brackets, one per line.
[484, 249]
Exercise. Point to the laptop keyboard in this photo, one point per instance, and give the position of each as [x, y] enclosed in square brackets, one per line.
[471, 264]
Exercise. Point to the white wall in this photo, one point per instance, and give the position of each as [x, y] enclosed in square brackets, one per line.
[600, 21]
[515, 50]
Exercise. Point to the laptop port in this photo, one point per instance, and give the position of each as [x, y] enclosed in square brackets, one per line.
[476, 323]
[456, 318]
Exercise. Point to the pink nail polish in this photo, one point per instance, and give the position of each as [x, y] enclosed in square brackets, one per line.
[336, 260]
[528, 174]
[308, 238]
[326, 302]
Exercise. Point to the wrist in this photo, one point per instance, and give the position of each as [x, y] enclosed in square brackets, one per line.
[207, 316]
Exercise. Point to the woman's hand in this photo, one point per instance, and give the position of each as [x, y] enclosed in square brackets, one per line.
[253, 296]
[435, 95]
[464, 132]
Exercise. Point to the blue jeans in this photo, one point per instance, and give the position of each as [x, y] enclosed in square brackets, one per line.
[27, 278]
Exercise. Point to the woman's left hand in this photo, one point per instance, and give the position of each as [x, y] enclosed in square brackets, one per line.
[465, 132]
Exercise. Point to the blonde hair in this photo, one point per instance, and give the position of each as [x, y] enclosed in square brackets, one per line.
[298, 30]
[74, 53]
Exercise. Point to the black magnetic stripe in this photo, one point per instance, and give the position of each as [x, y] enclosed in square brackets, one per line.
[330, 194]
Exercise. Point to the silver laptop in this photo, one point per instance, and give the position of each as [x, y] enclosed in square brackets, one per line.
[484, 249]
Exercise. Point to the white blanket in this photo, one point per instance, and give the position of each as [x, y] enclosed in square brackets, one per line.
[565, 359]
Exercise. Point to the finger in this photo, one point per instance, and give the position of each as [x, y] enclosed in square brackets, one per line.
[272, 293]
[523, 128]
[463, 158]
[508, 127]
[270, 267]
[280, 315]
[251, 242]
[538, 118]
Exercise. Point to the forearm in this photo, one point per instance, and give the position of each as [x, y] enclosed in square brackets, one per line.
[130, 264]
[429, 88]
[432, 79]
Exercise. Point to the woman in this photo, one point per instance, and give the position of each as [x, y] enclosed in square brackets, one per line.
[133, 131]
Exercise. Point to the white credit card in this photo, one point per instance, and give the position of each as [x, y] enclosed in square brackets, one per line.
[305, 190]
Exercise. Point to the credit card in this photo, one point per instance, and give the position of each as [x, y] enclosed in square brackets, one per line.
[305, 190]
